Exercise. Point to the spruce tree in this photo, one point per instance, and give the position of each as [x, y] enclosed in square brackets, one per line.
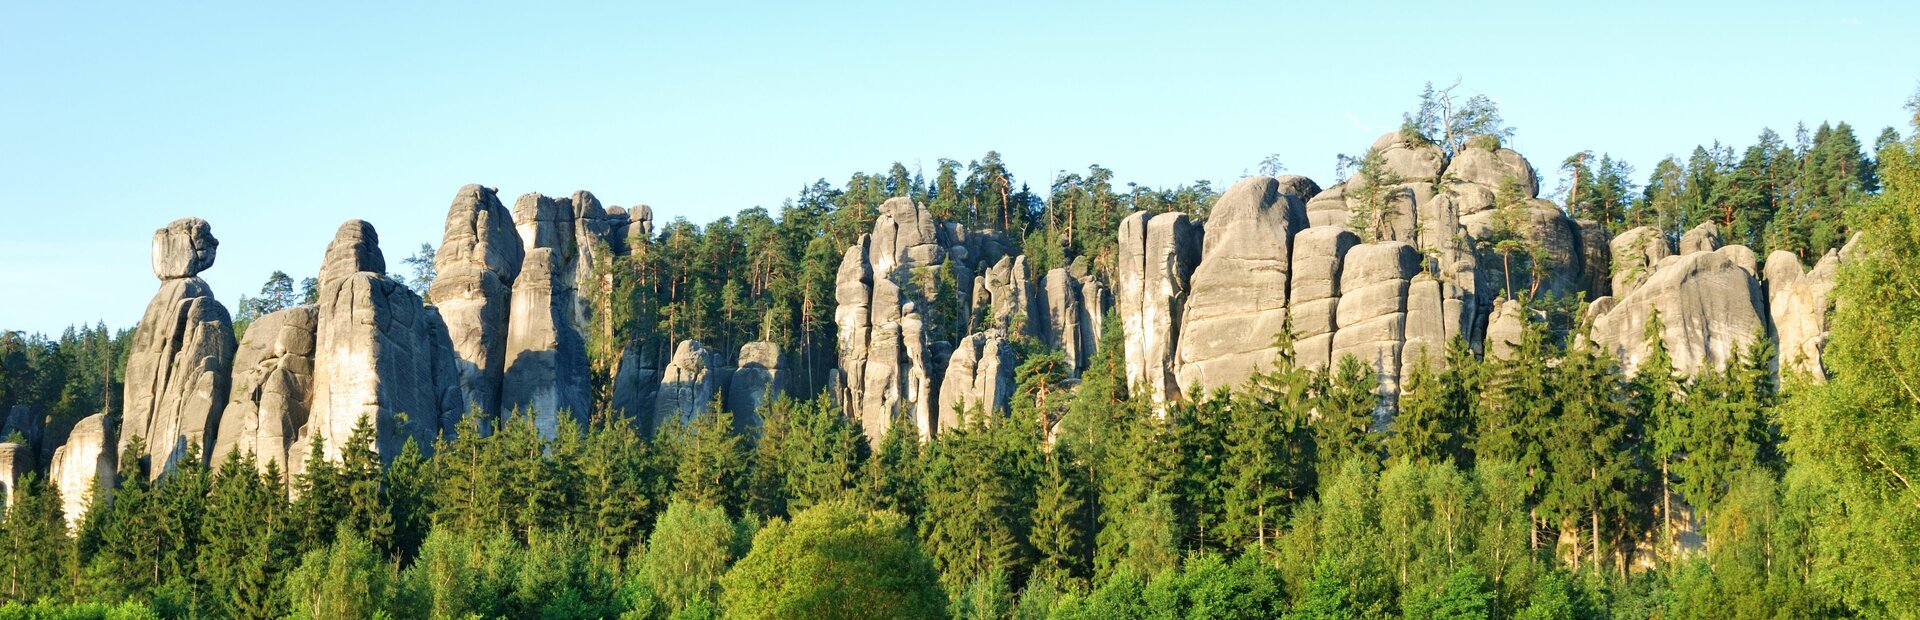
[244, 557]
[39, 554]
[1346, 405]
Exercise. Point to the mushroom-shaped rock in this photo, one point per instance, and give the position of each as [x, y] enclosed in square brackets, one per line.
[183, 249]
[177, 373]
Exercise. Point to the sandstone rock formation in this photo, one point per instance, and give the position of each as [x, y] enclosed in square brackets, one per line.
[546, 352]
[1798, 302]
[1315, 291]
[379, 355]
[1370, 319]
[979, 377]
[1636, 253]
[84, 466]
[1239, 300]
[16, 462]
[478, 260]
[1708, 306]
[183, 249]
[182, 352]
[1702, 238]
[688, 384]
[272, 383]
[757, 380]
[1155, 259]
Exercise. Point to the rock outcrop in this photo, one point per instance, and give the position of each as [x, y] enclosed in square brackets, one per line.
[979, 377]
[757, 380]
[479, 257]
[1702, 238]
[182, 352]
[1636, 253]
[688, 385]
[1708, 307]
[1156, 257]
[546, 371]
[16, 462]
[1370, 320]
[1238, 304]
[84, 466]
[1314, 293]
[1799, 302]
[272, 383]
[380, 355]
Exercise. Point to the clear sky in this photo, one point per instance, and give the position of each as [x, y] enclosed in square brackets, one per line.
[277, 121]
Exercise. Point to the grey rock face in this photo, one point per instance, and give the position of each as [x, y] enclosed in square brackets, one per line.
[979, 378]
[635, 381]
[1636, 253]
[546, 356]
[1437, 312]
[756, 382]
[888, 363]
[1315, 291]
[1799, 302]
[1708, 305]
[688, 384]
[1156, 258]
[1505, 328]
[1411, 161]
[183, 249]
[379, 355]
[84, 466]
[178, 366]
[1493, 168]
[23, 420]
[1239, 301]
[1094, 302]
[639, 227]
[1371, 316]
[272, 382]
[1541, 226]
[1702, 238]
[478, 260]
[1596, 269]
[1061, 318]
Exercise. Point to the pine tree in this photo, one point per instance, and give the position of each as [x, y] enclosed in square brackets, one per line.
[710, 461]
[1269, 455]
[368, 510]
[891, 480]
[1061, 543]
[1658, 399]
[1593, 456]
[1346, 405]
[39, 553]
[243, 559]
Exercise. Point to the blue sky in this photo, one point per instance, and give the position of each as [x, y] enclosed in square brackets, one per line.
[276, 122]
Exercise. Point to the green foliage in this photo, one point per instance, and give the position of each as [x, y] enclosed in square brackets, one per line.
[346, 580]
[691, 547]
[38, 559]
[834, 560]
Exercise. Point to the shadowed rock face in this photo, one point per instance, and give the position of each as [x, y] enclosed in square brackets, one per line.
[182, 352]
[979, 378]
[478, 260]
[756, 382]
[688, 385]
[379, 355]
[272, 383]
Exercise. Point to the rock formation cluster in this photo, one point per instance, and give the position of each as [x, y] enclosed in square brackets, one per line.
[1386, 267]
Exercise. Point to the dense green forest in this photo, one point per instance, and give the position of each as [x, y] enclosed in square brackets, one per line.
[1544, 484]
